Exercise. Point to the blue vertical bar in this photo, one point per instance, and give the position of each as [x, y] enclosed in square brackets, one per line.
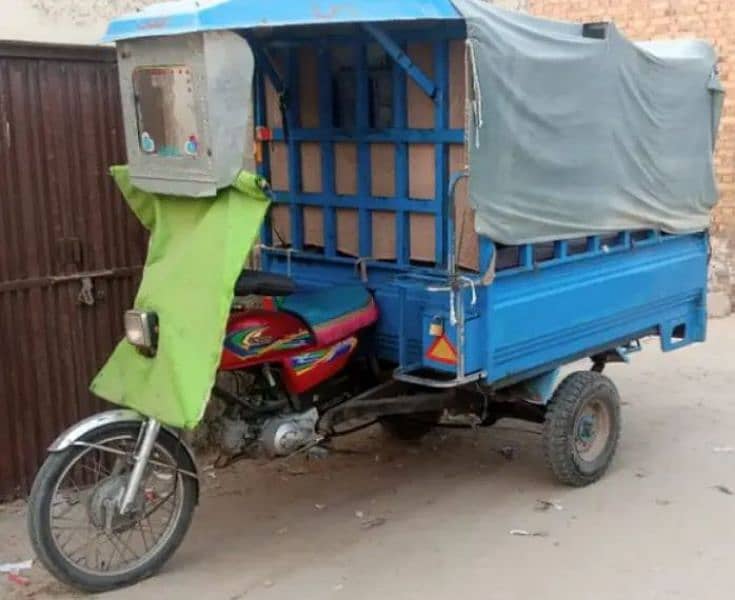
[441, 153]
[486, 254]
[326, 118]
[561, 249]
[363, 149]
[400, 120]
[593, 244]
[527, 256]
[294, 151]
[263, 168]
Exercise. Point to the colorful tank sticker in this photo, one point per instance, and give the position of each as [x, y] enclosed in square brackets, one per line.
[253, 341]
[310, 360]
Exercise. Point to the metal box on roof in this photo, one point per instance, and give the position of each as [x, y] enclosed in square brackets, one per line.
[187, 106]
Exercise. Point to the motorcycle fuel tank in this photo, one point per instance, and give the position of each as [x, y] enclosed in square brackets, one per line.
[257, 336]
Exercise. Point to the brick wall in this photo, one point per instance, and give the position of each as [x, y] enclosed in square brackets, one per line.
[713, 20]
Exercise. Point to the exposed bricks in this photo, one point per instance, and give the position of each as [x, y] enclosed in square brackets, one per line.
[712, 20]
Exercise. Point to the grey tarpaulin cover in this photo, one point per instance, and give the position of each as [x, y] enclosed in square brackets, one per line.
[572, 136]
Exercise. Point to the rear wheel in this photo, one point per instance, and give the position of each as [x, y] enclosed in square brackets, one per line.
[582, 428]
[74, 520]
[410, 428]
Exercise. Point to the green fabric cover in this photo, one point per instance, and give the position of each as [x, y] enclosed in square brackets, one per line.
[196, 251]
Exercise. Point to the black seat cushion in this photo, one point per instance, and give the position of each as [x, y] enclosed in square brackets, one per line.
[260, 283]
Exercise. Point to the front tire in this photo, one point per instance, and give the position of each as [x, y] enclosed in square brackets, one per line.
[582, 428]
[48, 525]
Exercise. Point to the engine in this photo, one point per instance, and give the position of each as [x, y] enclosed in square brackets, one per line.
[259, 419]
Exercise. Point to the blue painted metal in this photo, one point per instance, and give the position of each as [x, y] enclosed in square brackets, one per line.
[540, 389]
[187, 16]
[551, 305]
[395, 51]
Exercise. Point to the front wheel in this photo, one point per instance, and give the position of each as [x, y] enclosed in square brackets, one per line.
[582, 428]
[74, 520]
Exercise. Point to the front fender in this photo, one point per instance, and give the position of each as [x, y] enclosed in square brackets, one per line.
[79, 430]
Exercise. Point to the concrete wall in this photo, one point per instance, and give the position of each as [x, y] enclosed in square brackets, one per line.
[713, 20]
[61, 21]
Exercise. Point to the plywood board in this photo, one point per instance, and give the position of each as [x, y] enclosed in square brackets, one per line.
[311, 167]
[420, 106]
[384, 235]
[347, 231]
[273, 116]
[467, 246]
[308, 87]
[422, 237]
[383, 166]
[313, 226]
[280, 224]
[279, 165]
[421, 171]
[457, 84]
[345, 166]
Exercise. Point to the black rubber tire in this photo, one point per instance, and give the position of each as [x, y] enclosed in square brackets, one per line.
[39, 508]
[409, 428]
[569, 399]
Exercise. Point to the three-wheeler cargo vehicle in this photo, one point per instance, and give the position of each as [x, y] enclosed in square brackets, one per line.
[451, 202]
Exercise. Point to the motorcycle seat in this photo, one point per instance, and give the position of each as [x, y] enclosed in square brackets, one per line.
[333, 313]
[261, 283]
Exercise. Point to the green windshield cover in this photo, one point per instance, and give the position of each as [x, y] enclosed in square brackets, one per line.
[196, 251]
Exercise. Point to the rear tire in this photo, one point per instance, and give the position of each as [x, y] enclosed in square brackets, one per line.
[582, 428]
[409, 428]
[40, 521]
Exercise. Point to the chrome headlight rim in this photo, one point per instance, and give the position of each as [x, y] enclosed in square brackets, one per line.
[141, 330]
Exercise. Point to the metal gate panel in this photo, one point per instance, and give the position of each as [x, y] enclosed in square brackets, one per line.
[70, 250]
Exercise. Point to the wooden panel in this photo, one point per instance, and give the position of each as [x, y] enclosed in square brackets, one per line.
[345, 159]
[420, 106]
[281, 224]
[383, 165]
[457, 84]
[274, 118]
[347, 228]
[422, 237]
[467, 240]
[313, 226]
[279, 165]
[384, 235]
[308, 88]
[311, 167]
[421, 171]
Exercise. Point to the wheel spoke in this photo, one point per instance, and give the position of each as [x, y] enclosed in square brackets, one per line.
[91, 486]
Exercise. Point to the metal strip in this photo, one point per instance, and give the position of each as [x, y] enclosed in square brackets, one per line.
[51, 280]
[326, 113]
[396, 53]
[294, 155]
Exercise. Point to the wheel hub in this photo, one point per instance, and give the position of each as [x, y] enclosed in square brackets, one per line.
[104, 505]
[587, 431]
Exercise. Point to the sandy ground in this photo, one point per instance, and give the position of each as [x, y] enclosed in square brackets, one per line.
[656, 526]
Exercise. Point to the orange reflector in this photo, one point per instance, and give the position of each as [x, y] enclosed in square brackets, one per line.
[442, 351]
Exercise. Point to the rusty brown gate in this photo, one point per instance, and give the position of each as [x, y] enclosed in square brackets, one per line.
[70, 250]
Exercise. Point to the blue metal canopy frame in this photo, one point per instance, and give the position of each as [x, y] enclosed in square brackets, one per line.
[189, 16]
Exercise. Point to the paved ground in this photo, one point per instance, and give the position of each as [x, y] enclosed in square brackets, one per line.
[656, 527]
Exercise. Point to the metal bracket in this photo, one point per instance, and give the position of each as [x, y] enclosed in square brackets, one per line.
[404, 375]
[396, 53]
[276, 250]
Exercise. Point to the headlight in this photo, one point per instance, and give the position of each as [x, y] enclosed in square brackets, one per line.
[141, 330]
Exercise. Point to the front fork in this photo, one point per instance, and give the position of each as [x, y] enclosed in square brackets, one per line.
[149, 432]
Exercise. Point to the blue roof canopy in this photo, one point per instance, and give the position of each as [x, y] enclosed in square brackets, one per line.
[187, 16]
